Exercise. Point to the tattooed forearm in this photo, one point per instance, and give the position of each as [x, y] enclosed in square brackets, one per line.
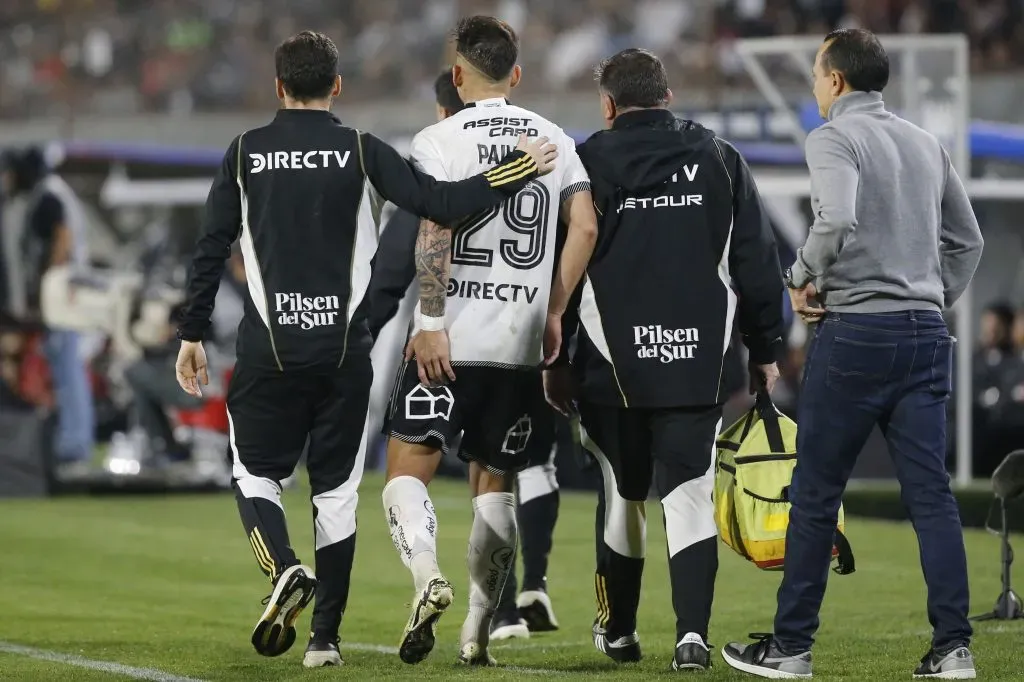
[433, 254]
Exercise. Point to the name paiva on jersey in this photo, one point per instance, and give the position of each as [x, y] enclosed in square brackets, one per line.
[491, 291]
[297, 160]
[491, 154]
[500, 126]
[667, 200]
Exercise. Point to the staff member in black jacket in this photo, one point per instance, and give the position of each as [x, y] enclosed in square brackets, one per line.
[303, 194]
[684, 246]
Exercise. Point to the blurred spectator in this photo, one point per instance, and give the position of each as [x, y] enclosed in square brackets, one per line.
[996, 367]
[44, 228]
[156, 391]
[60, 56]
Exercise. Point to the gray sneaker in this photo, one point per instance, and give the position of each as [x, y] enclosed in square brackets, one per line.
[952, 663]
[765, 659]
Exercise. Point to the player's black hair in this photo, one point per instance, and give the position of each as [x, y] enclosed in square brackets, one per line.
[859, 56]
[489, 44]
[447, 94]
[633, 78]
[1002, 311]
[27, 166]
[307, 64]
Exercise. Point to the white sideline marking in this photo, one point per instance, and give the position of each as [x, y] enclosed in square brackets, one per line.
[381, 649]
[105, 666]
[161, 676]
[539, 646]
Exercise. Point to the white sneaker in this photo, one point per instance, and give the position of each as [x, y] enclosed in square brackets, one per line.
[535, 608]
[418, 638]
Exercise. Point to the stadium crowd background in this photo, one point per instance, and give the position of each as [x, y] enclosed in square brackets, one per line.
[64, 58]
[118, 56]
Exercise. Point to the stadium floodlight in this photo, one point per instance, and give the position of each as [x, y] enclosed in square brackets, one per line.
[1007, 484]
[930, 86]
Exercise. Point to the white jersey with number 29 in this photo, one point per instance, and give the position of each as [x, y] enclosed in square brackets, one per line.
[502, 260]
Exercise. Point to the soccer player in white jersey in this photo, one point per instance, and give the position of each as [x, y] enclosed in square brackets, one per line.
[472, 364]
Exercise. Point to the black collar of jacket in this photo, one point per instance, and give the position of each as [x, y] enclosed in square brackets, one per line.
[642, 117]
[304, 115]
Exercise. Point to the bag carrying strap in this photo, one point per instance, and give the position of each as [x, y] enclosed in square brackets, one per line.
[845, 564]
[765, 409]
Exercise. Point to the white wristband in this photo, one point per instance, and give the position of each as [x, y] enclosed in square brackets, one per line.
[431, 324]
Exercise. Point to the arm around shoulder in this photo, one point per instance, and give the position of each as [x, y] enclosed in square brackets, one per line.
[420, 193]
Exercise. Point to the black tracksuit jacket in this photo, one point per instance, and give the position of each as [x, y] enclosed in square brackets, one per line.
[684, 247]
[304, 195]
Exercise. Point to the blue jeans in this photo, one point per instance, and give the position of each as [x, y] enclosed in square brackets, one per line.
[76, 423]
[893, 370]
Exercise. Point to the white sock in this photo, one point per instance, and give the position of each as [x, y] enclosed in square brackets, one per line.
[492, 549]
[413, 524]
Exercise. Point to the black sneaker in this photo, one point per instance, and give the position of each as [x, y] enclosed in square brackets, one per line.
[274, 633]
[535, 607]
[692, 653]
[766, 659]
[954, 662]
[322, 651]
[621, 650]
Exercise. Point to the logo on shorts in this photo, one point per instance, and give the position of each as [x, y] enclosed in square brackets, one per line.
[429, 403]
[518, 436]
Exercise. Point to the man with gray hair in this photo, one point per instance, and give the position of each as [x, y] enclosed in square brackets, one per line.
[894, 243]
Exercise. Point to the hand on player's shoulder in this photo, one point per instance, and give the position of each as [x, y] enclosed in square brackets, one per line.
[541, 150]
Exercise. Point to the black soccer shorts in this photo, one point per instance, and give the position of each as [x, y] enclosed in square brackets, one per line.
[634, 445]
[273, 414]
[492, 406]
[540, 450]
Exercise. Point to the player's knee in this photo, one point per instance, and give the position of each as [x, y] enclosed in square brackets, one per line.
[492, 482]
[418, 460]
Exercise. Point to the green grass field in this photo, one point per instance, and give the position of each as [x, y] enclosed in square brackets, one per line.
[169, 583]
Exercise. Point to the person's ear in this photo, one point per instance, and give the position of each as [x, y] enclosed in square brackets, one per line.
[280, 89]
[838, 83]
[517, 74]
[336, 90]
[669, 97]
[607, 109]
[457, 76]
